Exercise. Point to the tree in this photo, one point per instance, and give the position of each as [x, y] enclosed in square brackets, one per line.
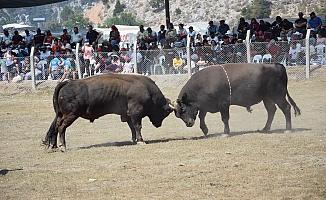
[118, 8]
[156, 3]
[52, 25]
[76, 19]
[177, 11]
[124, 19]
[66, 11]
[259, 9]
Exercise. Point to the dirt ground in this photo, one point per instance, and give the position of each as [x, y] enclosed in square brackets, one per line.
[177, 162]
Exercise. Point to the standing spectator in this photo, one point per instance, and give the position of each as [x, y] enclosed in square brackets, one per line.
[242, 28]
[161, 35]
[16, 40]
[9, 57]
[222, 29]
[88, 54]
[314, 23]
[69, 67]
[38, 39]
[127, 67]
[287, 27]
[54, 68]
[277, 27]
[28, 40]
[92, 36]
[114, 35]
[76, 37]
[48, 39]
[192, 35]
[212, 28]
[253, 27]
[183, 34]
[65, 36]
[301, 25]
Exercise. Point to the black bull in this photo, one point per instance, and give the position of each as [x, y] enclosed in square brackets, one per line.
[130, 96]
[215, 88]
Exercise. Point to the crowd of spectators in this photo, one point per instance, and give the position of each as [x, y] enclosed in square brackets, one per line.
[54, 56]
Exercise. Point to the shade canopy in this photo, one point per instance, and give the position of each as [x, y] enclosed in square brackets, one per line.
[25, 3]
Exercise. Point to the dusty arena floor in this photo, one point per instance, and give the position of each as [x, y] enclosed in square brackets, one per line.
[177, 162]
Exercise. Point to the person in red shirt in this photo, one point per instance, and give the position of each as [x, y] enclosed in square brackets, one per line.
[274, 50]
[48, 39]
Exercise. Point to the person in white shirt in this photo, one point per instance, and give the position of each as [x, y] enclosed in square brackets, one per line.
[192, 34]
[294, 52]
[182, 32]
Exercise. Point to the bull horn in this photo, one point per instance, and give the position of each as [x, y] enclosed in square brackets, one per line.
[171, 106]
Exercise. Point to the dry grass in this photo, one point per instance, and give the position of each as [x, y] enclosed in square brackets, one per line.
[177, 162]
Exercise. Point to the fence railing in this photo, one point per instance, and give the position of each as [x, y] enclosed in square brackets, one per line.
[30, 73]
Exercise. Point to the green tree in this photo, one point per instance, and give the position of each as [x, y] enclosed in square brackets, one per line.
[156, 3]
[258, 9]
[76, 19]
[177, 11]
[123, 19]
[52, 25]
[118, 8]
[66, 11]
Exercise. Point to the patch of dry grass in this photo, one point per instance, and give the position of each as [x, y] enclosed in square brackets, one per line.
[177, 163]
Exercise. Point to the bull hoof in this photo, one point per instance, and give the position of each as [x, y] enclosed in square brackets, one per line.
[205, 131]
[141, 143]
[225, 135]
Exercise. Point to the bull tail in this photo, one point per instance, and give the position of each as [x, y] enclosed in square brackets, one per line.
[295, 107]
[52, 133]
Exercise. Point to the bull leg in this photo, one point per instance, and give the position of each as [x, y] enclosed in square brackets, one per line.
[203, 127]
[225, 118]
[286, 109]
[137, 126]
[271, 108]
[66, 121]
[133, 131]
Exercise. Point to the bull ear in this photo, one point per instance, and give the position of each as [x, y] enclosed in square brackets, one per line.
[184, 97]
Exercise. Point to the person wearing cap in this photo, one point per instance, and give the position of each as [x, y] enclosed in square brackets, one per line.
[114, 35]
[301, 24]
[6, 39]
[222, 29]
[127, 67]
[92, 36]
[314, 23]
[242, 28]
[212, 28]
[38, 39]
[170, 34]
[16, 40]
[151, 36]
[76, 37]
[141, 34]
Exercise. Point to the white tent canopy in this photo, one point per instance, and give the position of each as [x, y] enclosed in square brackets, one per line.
[16, 26]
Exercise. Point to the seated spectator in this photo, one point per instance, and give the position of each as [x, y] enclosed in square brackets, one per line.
[314, 23]
[100, 63]
[170, 34]
[114, 35]
[65, 36]
[295, 36]
[320, 39]
[38, 39]
[253, 27]
[212, 37]
[28, 40]
[201, 63]
[44, 53]
[179, 41]
[69, 67]
[294, 52]
[240, 51]
[242, 28]
[38, 69]
[215, 49]
[76, 37]
[301, 24]
[56, 48]
[6, 39]
[92, 36]
[151, 36]
[48, 39]
[141, 34]
[55, 69]
[114, 66]
[64, 45]
[222, 29]
[161, 35]
[260, 37]
[177, 64]
[212, 28]
[16, 40]
[264, 26]
[276, 27]
[198, 40]
[287, 27]
[127, 68]
[192, 35]
[274, 50]
[182, 32]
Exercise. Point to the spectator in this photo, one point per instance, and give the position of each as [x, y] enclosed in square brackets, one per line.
[38, 39]
[56, 48]
[92, 36]
[323, 27]
[38, 69]
[65, 36]
[222, 29]
[6, 39]
[28, 39]
[253, 27]
[54, 68]
[274, 50]
[44, 53]
[170, 34]
[88, 51]
[64, 46]
[151, 36]
[177, 64]
[192, 35]
[69, 67]
[146, 63]
[127, 68]
[201, 63]
[320, 39]
[48, 39]
[212, 37]
[240, 51]
[294, 52]
[16, 40]
[276, 27]
[114, 35]
[287, 27]
[242, 28]
[301, 24]
[141, 34]
[10, 62]
[212, 28]
[264, 26]
[215, 49]
[161, 35]
[314, 23]
[100, 63]
[76, 37]
[198, 40]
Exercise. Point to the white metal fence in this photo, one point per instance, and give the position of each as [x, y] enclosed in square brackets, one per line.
[32, 73]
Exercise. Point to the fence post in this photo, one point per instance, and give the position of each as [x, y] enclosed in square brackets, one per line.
[77, 60]
[248, 46]
[308, 54]
[31, 60]
[135, 56]
[188, 57]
